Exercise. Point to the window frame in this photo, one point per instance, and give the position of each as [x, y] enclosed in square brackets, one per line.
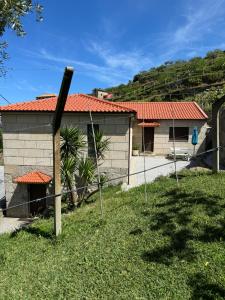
[179, 137]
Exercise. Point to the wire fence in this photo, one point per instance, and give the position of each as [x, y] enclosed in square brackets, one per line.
[109, 121]
[106, 182]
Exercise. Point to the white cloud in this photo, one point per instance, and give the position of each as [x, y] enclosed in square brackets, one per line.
[201, 19]
[23, 84]
[113, 70]
[133, 61]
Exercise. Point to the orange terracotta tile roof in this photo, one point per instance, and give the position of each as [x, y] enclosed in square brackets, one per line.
[74, 103]
[149, 124]
[144, 110]
[166, 110]
[35, 177]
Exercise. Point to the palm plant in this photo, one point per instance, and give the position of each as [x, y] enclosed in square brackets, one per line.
[78, 171]
[72, 142]
[68, 167]
[86, 176]
[102, 144]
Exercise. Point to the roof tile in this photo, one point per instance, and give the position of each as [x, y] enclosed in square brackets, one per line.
[74, 103]
[35, 177]
[144, 110]
[166, 110]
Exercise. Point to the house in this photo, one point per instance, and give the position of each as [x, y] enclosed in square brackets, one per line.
[27, 139]
[152, 128]
[101, 94]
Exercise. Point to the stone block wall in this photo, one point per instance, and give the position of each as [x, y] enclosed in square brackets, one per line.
[162, 144]
[27, 146]
[115, 127]
[27, 143]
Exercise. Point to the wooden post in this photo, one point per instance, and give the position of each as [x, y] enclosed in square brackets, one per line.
[129, 150]
[215, 133]
[65, 85]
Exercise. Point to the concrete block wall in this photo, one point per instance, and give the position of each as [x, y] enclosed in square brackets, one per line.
[27, 143]
[162, 144]
[115, 127]
[27, 146]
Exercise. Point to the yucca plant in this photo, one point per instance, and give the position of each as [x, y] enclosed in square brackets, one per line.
[72, 142]
[76, 170]
[68, 167]
[102, 144]
[86, 176]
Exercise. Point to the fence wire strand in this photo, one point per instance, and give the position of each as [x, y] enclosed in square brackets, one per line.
[106, 182]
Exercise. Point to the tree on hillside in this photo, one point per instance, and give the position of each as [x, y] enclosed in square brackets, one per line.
[11, 13]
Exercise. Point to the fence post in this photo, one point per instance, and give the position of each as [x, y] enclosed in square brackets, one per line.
[61, 101]
[215, 133]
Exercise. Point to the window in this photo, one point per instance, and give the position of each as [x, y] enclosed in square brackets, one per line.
[91, 147]
[180, 134]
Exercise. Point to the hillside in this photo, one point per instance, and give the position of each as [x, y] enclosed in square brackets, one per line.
[172, 247]
[199, 79]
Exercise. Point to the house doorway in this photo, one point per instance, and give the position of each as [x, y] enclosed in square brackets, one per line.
[37, 191]
[148, 139]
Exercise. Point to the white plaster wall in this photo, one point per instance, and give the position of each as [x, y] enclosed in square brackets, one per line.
[162, 144]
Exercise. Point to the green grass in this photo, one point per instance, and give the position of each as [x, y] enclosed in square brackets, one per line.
[173, 247]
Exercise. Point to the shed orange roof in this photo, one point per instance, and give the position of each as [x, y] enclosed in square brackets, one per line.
[166, 110]
[35, 177]
[149, 124]
[74, 103]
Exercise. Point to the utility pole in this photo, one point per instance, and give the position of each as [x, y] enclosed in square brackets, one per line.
[61, 101]
[215, 133]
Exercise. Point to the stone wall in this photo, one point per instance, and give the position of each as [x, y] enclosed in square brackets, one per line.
[115, 127]
[27, 143]
[162, 144]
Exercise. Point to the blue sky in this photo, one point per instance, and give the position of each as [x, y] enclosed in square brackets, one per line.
[107, 42]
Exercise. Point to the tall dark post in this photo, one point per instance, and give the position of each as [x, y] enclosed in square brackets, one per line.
[64, 90]
[215, 133]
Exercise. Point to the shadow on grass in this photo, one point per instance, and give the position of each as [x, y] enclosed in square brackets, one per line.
[175, 219]
[204, 289]
[34, 231]
[176, 248]
[136, 231]
[2, 259]
[213, 233]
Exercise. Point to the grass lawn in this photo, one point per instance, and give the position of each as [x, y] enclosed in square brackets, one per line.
[172, 247]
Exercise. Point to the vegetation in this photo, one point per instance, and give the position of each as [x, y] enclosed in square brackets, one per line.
[11, 13]
[199, 79]
[102, 144]
[79, 172]
[173, 247]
